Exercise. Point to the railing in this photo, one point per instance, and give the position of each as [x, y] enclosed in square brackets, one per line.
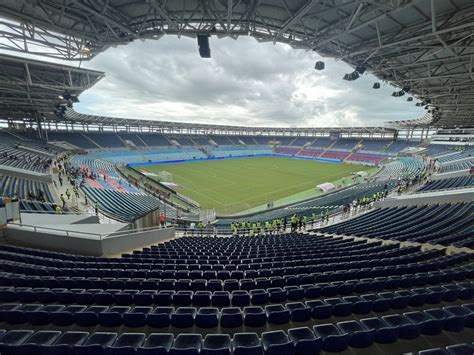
[99, 236]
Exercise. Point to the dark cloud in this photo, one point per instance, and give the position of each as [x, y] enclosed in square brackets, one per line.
[245, 83]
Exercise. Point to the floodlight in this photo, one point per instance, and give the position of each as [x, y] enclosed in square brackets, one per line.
[319, 65]
[203, 43]
[410, 99]
[360, 69]
[376, 86]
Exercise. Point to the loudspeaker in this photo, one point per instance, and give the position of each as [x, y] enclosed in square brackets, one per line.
[203, 43]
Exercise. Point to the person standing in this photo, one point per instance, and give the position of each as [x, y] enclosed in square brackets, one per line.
[162, 220]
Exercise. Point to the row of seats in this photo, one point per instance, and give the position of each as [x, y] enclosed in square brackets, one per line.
[449, 183]
[229, 317]
[457, 166]
[328, 337]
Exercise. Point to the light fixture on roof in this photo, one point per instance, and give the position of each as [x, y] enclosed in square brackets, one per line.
[203, 43]
[376, 86]
[406, 88]
[398, 93]
[410, 99]
[352, 76]
[360, 69]
[319, 65]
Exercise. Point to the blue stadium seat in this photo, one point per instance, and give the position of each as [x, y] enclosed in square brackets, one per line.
[183, 317]
[14, 338]
[359, 336]
[202, 298]
[299, 312]
[460, 349]
[136, 317]
[90, 317]
[187, 344]
[160, 317]
[407, 329]
[125, 344]
[383, 332]
[220, 299]
[340, 308]
[216, 344]
[332, 337]
[156, 344]
[304, 341]
[277, 314]
[240, 298]
[425, 322]
[319, 309]
[231, 317]
[34, 344]
[246, 344]
[95, 344]
[113, 317]
[207, 317]
[277, 342]
[65, 343]
[254, 316]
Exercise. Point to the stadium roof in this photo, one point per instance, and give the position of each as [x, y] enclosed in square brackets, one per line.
[183, 127]
[424, 45]
[28, 86]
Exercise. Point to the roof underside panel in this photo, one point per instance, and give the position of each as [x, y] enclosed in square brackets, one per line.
[426, 45]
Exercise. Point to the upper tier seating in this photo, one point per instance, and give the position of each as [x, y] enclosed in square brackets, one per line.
[134, 138]
[322, 142]
[221, 140]
[106, 140]
[22, 159]
[376, 145]
[77, 139]
[416, 224]
[399, 145]
[345, 143]
[155, 139]
[449, 183]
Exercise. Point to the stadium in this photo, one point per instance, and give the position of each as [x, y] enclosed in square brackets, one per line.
[128, 235]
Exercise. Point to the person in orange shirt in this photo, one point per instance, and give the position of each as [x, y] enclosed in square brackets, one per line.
[162, 220]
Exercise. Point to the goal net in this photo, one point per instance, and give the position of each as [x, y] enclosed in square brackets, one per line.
[165, 176]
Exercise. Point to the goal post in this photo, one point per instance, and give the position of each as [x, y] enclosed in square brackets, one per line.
[165, 176]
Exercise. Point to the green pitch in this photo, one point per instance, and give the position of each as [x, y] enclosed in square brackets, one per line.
[235, 185]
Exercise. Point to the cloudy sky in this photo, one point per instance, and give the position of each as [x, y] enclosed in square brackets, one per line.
[245, 83]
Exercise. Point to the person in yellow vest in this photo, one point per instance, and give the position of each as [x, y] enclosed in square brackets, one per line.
[252, 233]
[200, 228]
[57, 209]
[305, 220]
[314, 217]
[262, 232]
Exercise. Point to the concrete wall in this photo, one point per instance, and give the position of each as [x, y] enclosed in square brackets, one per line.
[86, 246]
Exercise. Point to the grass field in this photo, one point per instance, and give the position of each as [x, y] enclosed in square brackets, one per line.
[234, 185]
